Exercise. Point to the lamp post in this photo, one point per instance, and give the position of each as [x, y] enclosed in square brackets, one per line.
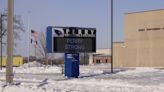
[111, 36]
[2, 15]
[29, 37]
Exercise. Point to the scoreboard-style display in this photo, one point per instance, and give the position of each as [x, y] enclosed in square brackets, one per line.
[70, 39]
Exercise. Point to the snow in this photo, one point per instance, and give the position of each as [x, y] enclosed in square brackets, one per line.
[35, 68]
[34, 77]
[32, 64]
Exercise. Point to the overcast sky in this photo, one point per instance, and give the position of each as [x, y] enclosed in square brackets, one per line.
[82, 13]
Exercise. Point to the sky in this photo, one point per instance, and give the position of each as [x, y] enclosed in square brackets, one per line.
[81, 13]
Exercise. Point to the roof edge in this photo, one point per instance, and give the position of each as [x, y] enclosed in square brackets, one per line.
[143, 11]
[118, 42]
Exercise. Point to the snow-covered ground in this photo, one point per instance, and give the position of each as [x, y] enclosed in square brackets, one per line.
[35, 68]
[34, 77]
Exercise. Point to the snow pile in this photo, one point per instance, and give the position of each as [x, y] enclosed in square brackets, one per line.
[32, 64]
[90, 71]
[36, 67]
[140, 70]
[146, 69]
[94, 69]
[35, 70]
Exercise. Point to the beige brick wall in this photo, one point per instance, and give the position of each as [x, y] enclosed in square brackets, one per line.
[142, 48]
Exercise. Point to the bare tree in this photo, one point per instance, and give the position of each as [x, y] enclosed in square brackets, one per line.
[18, 27]
[41, 49]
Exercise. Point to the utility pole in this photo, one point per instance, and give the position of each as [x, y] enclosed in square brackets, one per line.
[9, 68]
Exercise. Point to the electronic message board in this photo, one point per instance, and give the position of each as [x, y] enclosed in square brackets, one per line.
[71, 39]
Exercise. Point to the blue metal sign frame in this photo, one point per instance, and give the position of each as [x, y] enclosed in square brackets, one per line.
[64, 39]
[49, 44]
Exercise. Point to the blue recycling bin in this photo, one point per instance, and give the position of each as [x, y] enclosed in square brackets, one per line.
[71, 65]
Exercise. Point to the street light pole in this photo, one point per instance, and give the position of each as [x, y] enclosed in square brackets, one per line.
[9, 68]
[29, 36]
